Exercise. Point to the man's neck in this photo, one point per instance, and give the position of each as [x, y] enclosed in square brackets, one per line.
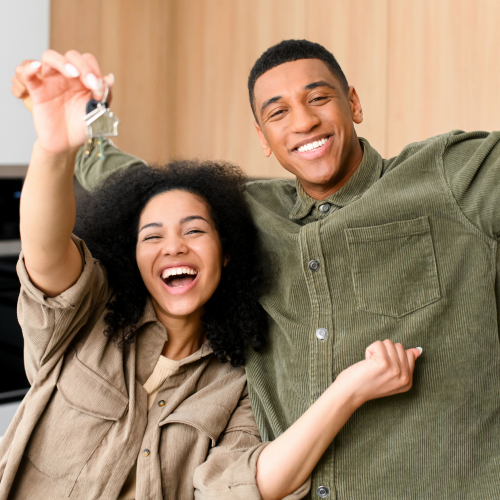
[323, 191]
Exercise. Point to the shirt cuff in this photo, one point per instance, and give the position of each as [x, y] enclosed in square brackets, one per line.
[71, 297]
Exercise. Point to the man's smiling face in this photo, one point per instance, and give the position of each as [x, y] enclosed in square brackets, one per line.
[306, 118]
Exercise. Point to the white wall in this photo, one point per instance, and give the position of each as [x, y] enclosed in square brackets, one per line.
[24, 34]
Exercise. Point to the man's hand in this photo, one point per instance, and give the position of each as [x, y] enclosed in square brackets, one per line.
[20, 90]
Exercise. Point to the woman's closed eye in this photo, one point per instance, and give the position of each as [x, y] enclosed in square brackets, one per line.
[151, 237]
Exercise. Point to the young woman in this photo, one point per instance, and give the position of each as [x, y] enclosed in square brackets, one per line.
[130, 394]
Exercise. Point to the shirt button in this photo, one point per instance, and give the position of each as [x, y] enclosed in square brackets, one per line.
[146, 452]
[321, 333]
[313, 265]
[322, 492]
[325, 208]
[161, 403]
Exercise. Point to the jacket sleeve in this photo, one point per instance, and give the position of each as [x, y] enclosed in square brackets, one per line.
[471, 164]
[230, 469]
[91, 170]
[50, 323]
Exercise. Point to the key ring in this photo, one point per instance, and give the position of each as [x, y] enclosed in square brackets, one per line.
[106, 92]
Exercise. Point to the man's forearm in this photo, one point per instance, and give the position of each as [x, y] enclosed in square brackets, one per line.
[92, 170]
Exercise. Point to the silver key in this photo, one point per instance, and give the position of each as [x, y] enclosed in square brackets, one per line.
[101, 122]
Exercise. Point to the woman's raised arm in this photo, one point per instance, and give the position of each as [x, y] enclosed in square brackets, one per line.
[289, 460]
[60, 87]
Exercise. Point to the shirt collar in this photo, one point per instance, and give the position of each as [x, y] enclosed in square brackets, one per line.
[150, 341]
[369, 171]
[148, 315]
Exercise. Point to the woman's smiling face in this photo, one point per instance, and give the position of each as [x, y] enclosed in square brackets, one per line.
[179, 254]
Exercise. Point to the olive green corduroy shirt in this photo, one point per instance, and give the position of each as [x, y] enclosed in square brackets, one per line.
[406, 250]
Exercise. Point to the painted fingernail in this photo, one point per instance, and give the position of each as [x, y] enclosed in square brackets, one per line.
[92, 81]
[35, 64]
[111, 79]
[71, 70]
[419, 349]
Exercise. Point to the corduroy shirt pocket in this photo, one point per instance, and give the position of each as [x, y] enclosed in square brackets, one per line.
[393, 267]
[80, 413]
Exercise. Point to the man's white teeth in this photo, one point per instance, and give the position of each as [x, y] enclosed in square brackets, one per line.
[312, 145]
[172, 271]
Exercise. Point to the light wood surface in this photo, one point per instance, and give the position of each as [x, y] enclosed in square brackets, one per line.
[420, 67]
[444, 68]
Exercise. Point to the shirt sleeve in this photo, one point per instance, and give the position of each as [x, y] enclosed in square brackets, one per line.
[471, 164]
[91, 170]
[230, 469]
[50, 323]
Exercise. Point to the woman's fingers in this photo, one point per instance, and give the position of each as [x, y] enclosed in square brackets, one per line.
[52, 60]
[393, 354]
[412, 355]
[109, 79]
[31, 74]
[376, 350]
[18, 88]
[89, 71]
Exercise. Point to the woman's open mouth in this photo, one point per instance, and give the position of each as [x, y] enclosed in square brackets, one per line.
[179, 279]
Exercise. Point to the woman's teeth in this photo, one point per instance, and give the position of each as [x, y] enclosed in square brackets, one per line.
[173, 271]
[312, 145]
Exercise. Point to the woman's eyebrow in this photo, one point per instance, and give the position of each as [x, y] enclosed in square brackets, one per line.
[193, 217]
[151, 224]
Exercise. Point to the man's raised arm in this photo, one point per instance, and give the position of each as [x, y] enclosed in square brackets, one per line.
[91, 170]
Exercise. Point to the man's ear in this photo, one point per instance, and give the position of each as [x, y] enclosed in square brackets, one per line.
[355, 104]
[263, 141]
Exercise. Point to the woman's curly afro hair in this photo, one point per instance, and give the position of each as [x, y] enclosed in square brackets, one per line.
[108, 220]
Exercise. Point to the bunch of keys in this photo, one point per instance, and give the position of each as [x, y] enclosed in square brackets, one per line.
[101, 122]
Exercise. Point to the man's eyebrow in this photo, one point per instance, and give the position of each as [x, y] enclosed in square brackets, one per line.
[269, 102]
[193, 217]
[320, 83]
[151, 224]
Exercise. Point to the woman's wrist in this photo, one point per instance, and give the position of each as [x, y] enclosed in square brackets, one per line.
[48, 154]
[43, 153]
[346, 391]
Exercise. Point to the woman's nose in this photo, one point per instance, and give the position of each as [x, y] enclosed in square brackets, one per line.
[174, 245]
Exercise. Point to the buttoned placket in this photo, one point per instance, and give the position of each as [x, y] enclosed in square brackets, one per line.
[321, 336]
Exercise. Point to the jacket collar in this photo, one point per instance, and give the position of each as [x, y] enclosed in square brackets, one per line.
[150, 341]
[369, 171]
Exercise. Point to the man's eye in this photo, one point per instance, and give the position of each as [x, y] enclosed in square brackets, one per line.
[277, 113]
[318, 99]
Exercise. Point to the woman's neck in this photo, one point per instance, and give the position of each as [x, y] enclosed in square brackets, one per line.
[184, 333]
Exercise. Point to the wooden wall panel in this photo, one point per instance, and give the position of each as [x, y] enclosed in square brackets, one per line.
[216, 44]
[356, 32]
[421, 67]
[444, 68]
[132, 40]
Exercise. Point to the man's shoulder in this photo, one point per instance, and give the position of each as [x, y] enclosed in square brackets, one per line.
[457, 142]
[271, 193]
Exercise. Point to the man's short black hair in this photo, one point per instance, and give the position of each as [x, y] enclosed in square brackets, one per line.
[288, 51]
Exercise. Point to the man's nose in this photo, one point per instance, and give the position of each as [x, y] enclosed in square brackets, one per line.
[303, 120]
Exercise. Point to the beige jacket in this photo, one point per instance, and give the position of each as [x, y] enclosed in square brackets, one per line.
[84, 421]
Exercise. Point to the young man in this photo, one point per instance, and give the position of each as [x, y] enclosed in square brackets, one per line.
[365, 249]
